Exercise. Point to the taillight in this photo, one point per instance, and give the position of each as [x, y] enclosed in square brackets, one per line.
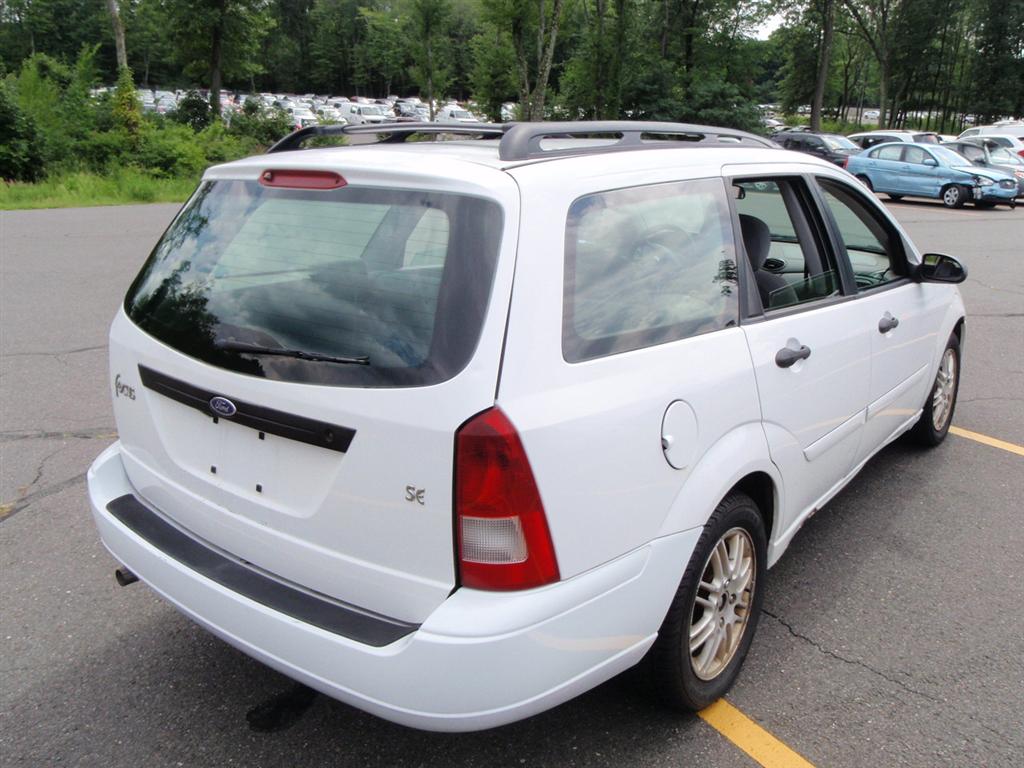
[504, 541]
[1021, 153]
[846, 162]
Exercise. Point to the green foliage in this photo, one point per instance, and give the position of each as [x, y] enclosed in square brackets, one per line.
[21, 152]
[262, 126]
[493, 78]
[126, 110]
[124, 185]
[923, 61]
[715, 102]
[381, 57]
[194, 111]
[427, 32]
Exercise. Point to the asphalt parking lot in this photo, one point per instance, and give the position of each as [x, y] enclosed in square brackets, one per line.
[893, 633]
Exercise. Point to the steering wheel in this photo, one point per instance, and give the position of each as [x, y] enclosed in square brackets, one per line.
[667, 242]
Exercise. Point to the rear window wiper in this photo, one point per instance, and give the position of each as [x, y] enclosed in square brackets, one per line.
[256, 349]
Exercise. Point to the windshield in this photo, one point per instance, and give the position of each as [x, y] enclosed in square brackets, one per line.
[400, 277]
[461, 113]
[838, 142]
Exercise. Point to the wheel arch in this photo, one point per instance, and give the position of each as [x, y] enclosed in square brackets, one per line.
[760, 487]
[744, 451]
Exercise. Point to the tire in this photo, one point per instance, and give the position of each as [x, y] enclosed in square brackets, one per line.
[866, 182]
[954, 196]
[938, 408]
[895, 197]
[680, 680]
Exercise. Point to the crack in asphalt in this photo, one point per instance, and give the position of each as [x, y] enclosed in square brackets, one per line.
[26, 496]
[898, 683]
[986, 399]
[854, 662]
[995, 288]
[57, 354]
[81, 434]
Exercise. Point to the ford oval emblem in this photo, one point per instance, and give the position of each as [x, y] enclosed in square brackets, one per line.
[222, 406]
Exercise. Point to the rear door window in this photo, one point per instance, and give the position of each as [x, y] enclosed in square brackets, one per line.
[353, 286]
[894, 153]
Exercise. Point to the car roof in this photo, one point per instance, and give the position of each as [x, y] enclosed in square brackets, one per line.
[443, 157]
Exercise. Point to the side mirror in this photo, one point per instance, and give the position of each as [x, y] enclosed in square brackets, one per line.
[940, 268]
[931, 161]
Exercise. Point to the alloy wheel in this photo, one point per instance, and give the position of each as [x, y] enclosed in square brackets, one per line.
[721, 606]
[945, 390]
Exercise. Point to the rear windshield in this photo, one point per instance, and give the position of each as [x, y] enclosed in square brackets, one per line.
[392, 285]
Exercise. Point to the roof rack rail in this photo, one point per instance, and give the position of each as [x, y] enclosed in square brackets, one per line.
[523, 141]
[394, 133]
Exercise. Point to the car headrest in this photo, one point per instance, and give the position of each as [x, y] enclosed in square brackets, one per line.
[757, 238]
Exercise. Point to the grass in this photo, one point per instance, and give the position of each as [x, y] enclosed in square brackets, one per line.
[70, 190]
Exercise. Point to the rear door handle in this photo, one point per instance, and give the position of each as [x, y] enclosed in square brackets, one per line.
[786, 356]
[887, 323]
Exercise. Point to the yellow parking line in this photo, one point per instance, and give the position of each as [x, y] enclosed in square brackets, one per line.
[986, 440]
[750, 737]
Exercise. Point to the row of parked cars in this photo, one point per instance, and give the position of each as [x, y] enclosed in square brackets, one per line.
[313, 110]
[983, 165]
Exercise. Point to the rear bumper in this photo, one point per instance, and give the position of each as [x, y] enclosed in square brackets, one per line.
[480, 659]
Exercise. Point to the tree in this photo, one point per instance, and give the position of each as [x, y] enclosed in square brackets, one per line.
[382, 51]
[493, 77]
[533, 29]
[876, 23]
[219, 38]
[997, 72]
[118, 25]
[428, 26]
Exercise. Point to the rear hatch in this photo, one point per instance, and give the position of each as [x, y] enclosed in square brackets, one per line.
[299, 359]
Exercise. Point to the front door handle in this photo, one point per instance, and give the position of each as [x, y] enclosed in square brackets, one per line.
[786, 356]
[887, 323]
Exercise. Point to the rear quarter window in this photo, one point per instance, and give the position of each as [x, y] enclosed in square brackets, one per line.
[647, 265]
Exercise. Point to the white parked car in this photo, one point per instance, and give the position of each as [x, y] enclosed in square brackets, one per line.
[1014, 129]
[350, 449]
[868, 139]
[361, 114]
[453, 113]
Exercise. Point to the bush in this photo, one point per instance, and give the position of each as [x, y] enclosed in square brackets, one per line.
[169, 150]
[21, 152]
[263, 126]
[194, 111]
[125, 107]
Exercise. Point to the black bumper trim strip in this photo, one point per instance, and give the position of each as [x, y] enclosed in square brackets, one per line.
[348, 621]
[287, 425]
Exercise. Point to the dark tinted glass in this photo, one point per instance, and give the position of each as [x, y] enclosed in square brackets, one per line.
[401, 277]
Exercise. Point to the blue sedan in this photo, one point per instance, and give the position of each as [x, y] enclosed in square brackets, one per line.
[926, 170]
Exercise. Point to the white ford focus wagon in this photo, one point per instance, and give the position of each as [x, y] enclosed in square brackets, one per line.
[453, 431]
